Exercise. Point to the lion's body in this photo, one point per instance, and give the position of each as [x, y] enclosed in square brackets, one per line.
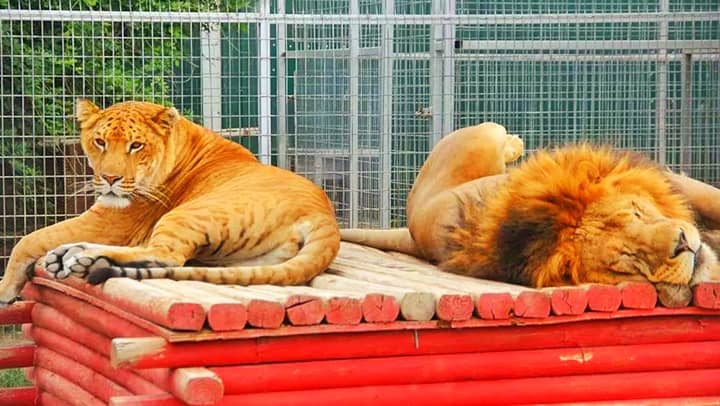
[570, 216]
[185, 196]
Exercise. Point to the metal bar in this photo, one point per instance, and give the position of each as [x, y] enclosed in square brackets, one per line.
[386, 81]
[264, 88]
[210, 68]
[354, 113]
[282, 99]
[686, 116]
[436, 74]
[333, 19]
[369, 52]
[448, 109]
[589, 45]
[661, 93]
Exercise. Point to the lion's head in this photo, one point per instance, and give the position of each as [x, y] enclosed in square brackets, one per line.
[583, 214]
[128, 146]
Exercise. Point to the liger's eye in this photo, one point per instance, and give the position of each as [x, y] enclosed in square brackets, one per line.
[100, 143]
[136, 146]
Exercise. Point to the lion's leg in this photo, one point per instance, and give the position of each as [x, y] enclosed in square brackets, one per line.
[94, 225]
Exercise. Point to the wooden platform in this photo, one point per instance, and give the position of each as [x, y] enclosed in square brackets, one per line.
[377, 328]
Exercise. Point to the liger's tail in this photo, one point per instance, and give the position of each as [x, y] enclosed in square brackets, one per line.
[320, 247]
[395, 239]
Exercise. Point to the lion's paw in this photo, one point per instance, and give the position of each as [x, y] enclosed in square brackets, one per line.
[514, 148]
[76, 259]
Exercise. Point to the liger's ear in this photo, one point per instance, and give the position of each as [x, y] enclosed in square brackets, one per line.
[85, 109]
[167, 118]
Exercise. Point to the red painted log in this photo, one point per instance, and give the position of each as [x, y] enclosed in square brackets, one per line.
[197, 386]
[53, 320]
[95, 383]
[578, 388]
[603, 298]
[532, 305]
[423, 369]
[568, 301]
[265, 314]
[21, 396]
[63, 389]
[85, 356]
[707, 295]
[48, 399]
[151, 303]
[146, 400]
[638, 295]
[16, 356]
[378, 308]
[495, 306]
[415, 342]
[343, 310]
[684, 401]
[454, 307]
[84, 313]
[304, 310]
[17, 313]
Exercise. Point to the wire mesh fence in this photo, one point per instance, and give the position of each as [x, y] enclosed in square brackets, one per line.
[353, 94]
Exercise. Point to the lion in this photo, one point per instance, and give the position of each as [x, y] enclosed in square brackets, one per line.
[176, 200]
[573, 215]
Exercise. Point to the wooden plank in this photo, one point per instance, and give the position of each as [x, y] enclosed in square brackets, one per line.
[16, 313]
[580, 388]
[92, 359]
[638, 295]
[166, 309]
[63, 389]
[20, 396]
[707, 295]
[85, 313]
[223, 313]
[263, 310]
[155, 352]
[412, 305]
[93, 382]
[422, 369]
[16, 356]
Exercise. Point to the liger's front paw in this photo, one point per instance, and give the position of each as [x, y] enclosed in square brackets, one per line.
[76, 259]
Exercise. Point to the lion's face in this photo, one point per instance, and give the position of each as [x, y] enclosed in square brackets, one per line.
[127, 147]
[626, 237]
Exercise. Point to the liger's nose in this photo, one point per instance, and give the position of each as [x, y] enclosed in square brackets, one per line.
[111, 179]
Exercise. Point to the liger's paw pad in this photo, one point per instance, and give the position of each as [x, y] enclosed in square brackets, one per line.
[74, 259]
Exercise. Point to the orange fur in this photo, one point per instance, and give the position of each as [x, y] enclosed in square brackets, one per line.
[181, 194]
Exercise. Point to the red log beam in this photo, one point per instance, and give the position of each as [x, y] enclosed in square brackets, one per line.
[380, 308]
[197, 386]
[495, 306]
[145, 400]
[16, 356]
[580, 388]
[17, 313]
[603, 298]
[63, 389]
[638, 295]
[85, 356]
[568, 301]
[684, 401]
[48, 399]
[531, 304]
[423, 369]
[343, 310]
[22, 396]
[53, 320]
[304, 310]
[95, 383]
[156, 352]
[707, 295]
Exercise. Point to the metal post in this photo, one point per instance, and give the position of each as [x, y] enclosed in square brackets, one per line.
[686, 116]
[436, 74]
[264, 89]
[661, 94]
[354, 89]
[448, 120]
[282, 100]
[386, 89]
[210, 65]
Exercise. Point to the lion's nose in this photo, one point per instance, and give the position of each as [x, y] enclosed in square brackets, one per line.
[682, 244]
[111, 179]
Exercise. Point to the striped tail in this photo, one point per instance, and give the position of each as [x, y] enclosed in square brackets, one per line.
[395, 239]
[319, 250]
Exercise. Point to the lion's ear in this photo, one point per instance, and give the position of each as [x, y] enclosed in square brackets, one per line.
[85, 110]
[167, 118]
